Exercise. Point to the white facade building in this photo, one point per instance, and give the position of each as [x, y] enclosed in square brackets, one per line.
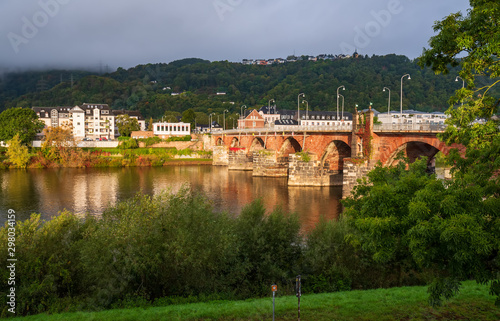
[412, 117]
[94, 121]
[163, 130]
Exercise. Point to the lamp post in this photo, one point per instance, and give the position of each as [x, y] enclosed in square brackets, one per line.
[342, 116]
[210, 118]
[389, 103]
[224, 119]
[298, 106]
[269, 105]
[307, 109]
[463, 85]
[401, 97]
[343, 88]
[245, 107]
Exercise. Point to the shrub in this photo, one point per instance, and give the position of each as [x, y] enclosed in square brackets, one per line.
[128, 144]
[267, 250]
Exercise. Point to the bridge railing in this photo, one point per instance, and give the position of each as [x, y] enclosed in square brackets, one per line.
[287, 129]
[409, 127]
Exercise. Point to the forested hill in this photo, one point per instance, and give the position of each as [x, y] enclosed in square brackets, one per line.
[149, 88]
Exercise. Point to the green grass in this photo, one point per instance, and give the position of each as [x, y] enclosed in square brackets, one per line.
[406, 303]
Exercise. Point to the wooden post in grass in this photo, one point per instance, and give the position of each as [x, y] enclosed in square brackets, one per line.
[274, 288]
[298, 294]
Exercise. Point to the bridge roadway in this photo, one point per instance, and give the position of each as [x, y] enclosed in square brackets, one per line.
[330, 147]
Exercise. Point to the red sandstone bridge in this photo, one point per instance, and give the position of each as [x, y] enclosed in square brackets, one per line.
[335, 155]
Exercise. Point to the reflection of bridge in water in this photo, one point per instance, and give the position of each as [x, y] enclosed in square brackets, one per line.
[334, 155]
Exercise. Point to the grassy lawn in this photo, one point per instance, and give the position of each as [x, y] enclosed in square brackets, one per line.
[407, 303]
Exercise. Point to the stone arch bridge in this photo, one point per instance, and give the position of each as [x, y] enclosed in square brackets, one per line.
[325, 156]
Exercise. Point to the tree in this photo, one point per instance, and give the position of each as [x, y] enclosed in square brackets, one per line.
[449, 228]
[150, 124]
[21, 121]
[478, 35]
[172, 116]
[126, 125]
[58, 142]
[17, 153]
[189, 117]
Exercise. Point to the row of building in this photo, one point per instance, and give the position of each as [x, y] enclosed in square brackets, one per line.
[98, 121]
[269, 117]
[88, 121]
[295, 58]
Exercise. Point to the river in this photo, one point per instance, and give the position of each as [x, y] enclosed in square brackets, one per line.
[48, 191]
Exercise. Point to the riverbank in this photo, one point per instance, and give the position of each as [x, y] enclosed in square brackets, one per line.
[108, 157]
[405, 303]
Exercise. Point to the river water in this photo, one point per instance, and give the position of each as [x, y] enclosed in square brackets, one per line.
[48, 191]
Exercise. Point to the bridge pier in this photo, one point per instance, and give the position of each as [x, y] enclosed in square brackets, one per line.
[220, 156]
[354, 169]
[268, 163]
[303, 172]
[239, 160]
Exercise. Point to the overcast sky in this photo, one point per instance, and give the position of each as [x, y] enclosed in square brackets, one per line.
[125, 33]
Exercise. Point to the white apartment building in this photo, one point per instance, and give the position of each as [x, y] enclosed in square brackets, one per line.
[92, 121]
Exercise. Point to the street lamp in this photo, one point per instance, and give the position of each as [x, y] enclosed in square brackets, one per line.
[210, 118]
[269, 106]
[298, 106]
[463, 85]
[401, 97]
[389, 103]
[242, 111]
[224, 119]
[307, 109]
[343, 88]
[342, 117]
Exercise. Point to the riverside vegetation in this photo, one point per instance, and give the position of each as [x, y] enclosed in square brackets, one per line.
[62, 152]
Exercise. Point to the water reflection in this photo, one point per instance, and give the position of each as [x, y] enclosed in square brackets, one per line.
[48, 191]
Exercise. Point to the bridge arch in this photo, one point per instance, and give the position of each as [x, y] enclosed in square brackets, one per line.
[413, 150]
[219, 141]
[234, 142]
[257, 144]
[289, 146]
[334, 155]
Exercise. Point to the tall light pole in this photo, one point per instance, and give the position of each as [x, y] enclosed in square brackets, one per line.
[307, 109]
[242, 116]
[224, 119]
[401, 97]
[243, 107]
[343, 88]
[298, 106]
[210, 119]
[269, 106]
[463, 85]
[389, 103]
[342, 116]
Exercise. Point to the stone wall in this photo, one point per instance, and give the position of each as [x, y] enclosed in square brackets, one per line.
[268, 164]
[220, 156]
[311, 173]
[354, 169]
[193, 145]
[239, 160]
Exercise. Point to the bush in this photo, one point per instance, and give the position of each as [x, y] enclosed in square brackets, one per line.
[128, 144]
[169, 245]
[150, 140]
[48, 266]
[267, 250]
[186, 138]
